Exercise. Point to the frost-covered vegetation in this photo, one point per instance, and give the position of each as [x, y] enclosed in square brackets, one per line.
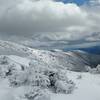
[31, 74]
[42, 79]
[95, 70]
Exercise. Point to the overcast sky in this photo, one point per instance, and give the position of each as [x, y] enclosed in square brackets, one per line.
[64, 20]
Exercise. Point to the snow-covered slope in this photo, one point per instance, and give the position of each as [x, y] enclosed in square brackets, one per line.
[88, 87]
[12, 60]
[72, 60]
[15, 58]
[10, 48]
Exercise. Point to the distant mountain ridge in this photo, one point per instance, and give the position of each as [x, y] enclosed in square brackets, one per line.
[93, 49]
[75, 60]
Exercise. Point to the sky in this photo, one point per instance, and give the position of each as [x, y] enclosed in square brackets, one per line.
[54, 21]
[78, 2]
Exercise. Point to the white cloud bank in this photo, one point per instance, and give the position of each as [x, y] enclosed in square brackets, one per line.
[57, 20]
[94, 2]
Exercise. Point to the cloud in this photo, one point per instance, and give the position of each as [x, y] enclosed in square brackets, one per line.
[54, 20]
[94, 2]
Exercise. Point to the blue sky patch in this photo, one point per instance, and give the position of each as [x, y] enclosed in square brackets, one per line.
[78, 2]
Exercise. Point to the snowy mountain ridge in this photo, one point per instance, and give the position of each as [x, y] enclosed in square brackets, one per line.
[72, 60]
[29, 72]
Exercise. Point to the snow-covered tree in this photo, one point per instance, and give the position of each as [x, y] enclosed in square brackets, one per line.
[98, 68]
[38, 79]
[60, 82]
[3, 60]
[44, 78]
[36, 93]
[63, 87]
[18, 78]
[95, 70]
